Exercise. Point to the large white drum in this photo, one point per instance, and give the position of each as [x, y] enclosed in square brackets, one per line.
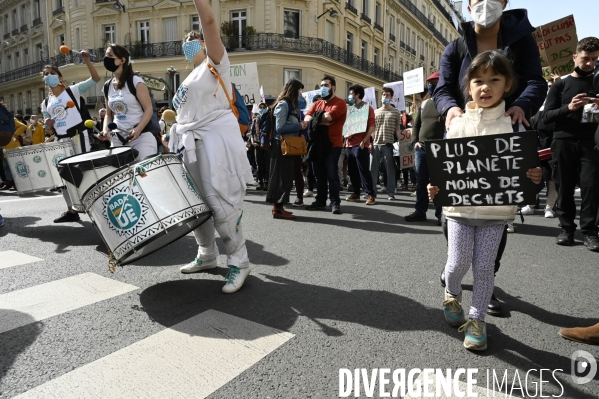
[82, 171]
[145, 206]
[34, 166]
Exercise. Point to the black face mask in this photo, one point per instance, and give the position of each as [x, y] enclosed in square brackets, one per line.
[583, 73]
[109, 64]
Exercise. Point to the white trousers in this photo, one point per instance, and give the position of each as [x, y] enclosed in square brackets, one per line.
[145, 145]
[226, 219]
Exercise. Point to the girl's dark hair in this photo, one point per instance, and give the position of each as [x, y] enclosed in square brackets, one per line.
[496, 60]
[290, 93]
[121, 52]
[52, 67]
[194, 35]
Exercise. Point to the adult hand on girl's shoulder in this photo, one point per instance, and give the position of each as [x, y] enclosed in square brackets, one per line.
[518, 116]
[535, 174]
[432, 191]
[452, 113]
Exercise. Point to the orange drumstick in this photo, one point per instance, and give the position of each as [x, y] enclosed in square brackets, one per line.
[70, 104]
[64, 49]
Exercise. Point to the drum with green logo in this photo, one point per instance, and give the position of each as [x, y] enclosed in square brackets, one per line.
[34, 166]
[145, 206]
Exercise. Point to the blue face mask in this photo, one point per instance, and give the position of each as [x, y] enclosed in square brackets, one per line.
[351, 99]
[385, 101]
[261, 111]
[324, 91]
[302, 102]
[431, 89]
[191, 48]
[52, 80]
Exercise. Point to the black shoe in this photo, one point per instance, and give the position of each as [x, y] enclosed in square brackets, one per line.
[260, 187]
[442, 278]
[415, 217]
[265, 187]
[336, 209]
[494, 307]
[298, 202]
[592, 243]
[439, 221]
[565, 238]
[68, 217]
[315, 206]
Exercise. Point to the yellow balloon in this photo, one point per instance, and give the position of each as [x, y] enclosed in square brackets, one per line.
[169, 116]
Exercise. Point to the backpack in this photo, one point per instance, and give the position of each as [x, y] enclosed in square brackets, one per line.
[7, 126]
[237, 104]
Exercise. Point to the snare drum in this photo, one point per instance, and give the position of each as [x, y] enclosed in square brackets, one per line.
[145, 206]
[82, 171]
[34, 166]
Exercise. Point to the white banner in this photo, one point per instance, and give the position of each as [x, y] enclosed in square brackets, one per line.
[245, 79]
[413, 81]
[370, 97]
[262, 98]
[309, 95]
[398, 95]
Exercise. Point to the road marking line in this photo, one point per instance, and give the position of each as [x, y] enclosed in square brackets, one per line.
[56, 297]
[29, 199]
[14, 258]
[189, 360]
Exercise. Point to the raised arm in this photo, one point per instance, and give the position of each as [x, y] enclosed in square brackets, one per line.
[214, 45]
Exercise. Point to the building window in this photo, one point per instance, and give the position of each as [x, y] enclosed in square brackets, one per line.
[291, 24]
[330, 32]
[143, 31]
[401, 32]
[10, 66]
[378, 14]
[77, 38]
[17, 60]
[392, 25]
[23, 19]
[29, 100]
[349, 43]
[195, 23]
[39, 52]
[42, 94]
[26, 56]
[376, 56]
[239, 20]
[391, 63]
[364, 53]
[37, 9]
[365, 7]
[170, 29]
[292, 74]
[109, 33]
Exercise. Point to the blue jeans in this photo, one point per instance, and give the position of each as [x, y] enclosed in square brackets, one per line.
[327, 170]
[385, 152]
[422, 180]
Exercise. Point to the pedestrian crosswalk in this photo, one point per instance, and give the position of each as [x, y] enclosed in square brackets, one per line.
[14, 258]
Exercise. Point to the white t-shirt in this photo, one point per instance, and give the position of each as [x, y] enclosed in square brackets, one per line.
[125, 107]
[195, 99]
[64, 117]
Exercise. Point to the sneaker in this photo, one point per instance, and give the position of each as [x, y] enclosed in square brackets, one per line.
[476, 335]
[260, 187]
[382, 189]
[528, 210]
[315, 206]
[591, 242]
[510, 227]
[415, 217]
[198, 265]
[452, 308]
[336, 209]
[370, 200]
[353, 198]
[565, 238]
[1, 221]
[235, 278]
[413, 194]
[549, 212]
[308, 194]
[391, 198]
[68, 217]
[298, 202]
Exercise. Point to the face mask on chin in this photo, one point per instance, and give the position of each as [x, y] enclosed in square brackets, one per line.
[582, 73]
[485, 13]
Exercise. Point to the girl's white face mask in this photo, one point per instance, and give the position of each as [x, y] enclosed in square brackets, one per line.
[485, 13]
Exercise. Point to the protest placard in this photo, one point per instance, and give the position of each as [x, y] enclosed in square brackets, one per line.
[245, 79]
[309, 97]
[370, 97]
[406, 149]
[398, 95]
[413, 81]
[557, 44]
[356, 120]
[483, 170]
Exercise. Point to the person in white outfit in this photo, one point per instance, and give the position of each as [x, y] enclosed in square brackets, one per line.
[208, 136]
[131, 114]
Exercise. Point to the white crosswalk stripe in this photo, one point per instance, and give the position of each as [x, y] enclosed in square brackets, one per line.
[50, 299]
[14, 258]
[189, 360]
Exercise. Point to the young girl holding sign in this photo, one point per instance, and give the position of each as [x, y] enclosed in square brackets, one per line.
[475, 231]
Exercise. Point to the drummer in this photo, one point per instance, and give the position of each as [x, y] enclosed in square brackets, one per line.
[131, 113]
[214, 150]
[67, 122]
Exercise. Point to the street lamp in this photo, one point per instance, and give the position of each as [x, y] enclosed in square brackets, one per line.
[171, 72]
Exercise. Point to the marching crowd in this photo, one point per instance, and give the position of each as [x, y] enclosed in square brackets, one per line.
[489, 82]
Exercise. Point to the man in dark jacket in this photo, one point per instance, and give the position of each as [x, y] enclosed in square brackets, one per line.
[512, 32]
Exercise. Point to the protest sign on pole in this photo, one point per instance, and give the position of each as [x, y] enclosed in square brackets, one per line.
[370, 97]
[255, 109]
[309, 97]
[356, 120]
[483, 170]
[413, 81]
[262, 98]
[398, 94]
[557, 44]
[245, 79]
[406, 149]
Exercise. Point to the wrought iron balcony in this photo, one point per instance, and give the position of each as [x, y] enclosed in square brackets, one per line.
[420, 16]
[365, 18]
[15, 32]
[36, 22]
[104, 1]
[94, 99]
[6, 35]
[19, 111]
[413, 52]
[421, 57]
[28, 111]
[392, 37]
[443, 11]
[23, 28]
[402, 44]
[58, 11]
[378, 27]
[351, 8]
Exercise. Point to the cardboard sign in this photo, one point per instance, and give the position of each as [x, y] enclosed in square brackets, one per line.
[245, 79]
[413, 81]
[309, 97]
[356, 120]
[153, 83]
[406, 149]
[557, 44]
[483, 170]
[398, 95]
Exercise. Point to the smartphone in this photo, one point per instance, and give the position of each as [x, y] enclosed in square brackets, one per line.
[591, 94]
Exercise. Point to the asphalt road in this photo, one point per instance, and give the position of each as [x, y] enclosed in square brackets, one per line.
[358, 290]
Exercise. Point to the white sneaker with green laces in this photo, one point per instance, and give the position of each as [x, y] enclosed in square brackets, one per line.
[198, 265]
[452, 308]
[235, 278]
[476, 335]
